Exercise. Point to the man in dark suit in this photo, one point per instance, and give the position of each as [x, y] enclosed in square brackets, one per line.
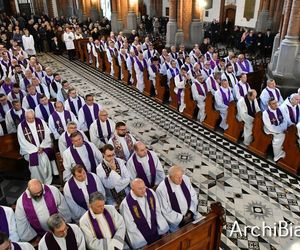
[268, 43]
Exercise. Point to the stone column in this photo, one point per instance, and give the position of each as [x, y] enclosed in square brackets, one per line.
[171, 25]
[94, 12]
[131, 16]
[289, 59]
[263, 16]
[287, 12]
[196, 30]
[114, 16]
[179, 36]
[119, 14]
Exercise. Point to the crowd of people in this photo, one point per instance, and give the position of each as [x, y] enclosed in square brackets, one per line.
[116, 194]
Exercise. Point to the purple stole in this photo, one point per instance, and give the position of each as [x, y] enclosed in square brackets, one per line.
[2, 112]
[174, 55]
[141, 67]
[44, 111]
[4, 224]
[174, 73]
[13, 95]
[208, 73]
[213, 83]
[292, 115]
[87, 114]
[6, 65]
[7, 88]
[78, 159]
[275, 121]
[167, 65]
[229, 79]
[154, 68]
[149, 233]
[271, 94]
[17, 120]
[100, 133]
[132, 60]
[140, 170]
[208, 57]
[135, 50]
[241, 90]
[16, 246]
[96, 227]
[72, 107]
[70, 238]
[54, 86]
[48, 80]
[213, 63]
[179, 91]
[26, 82]
[224, 96]
[34, 157]
[149, 54]
[31, 68]
[57, 121]
[31, 214]
[200, 90]
[68, 139]
[172, 196]
[250, 107]
[113, 52]
[77, 193]
[31, 101]
[245, 68]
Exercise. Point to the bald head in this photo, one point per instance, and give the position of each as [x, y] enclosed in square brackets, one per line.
[29, 116]
[138, 187]
[35, 189]
[176, 174]
[140, 149]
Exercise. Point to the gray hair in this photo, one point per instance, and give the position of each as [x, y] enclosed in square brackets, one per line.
[96, 196]
[270, 80]
[174, 169]
[55, 221]
[71, 123]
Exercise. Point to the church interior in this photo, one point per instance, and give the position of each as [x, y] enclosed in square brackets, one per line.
[149, 124]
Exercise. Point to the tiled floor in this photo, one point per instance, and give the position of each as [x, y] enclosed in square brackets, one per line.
[250, 189]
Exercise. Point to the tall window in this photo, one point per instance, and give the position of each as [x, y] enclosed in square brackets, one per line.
[106, 8]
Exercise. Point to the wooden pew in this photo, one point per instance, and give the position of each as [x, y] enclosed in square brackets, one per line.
[125, 72]
[147, 89]
[291, 162]
[160, 87]
[134, 78]
[101, 60]
[235, 127]
[107, 64]
[191, 105]
[10, 158]
[116, 68]
[174, 102]
[261, 140]
[212, 115]
[77, 47]
[204, 235]
[60, 166]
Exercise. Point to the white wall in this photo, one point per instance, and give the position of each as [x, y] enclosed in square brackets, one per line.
[240, 20]
[214, 12]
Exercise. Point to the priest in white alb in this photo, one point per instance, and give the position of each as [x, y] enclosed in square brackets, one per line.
[145, 164]
[74, 102]
[81, 152]
[35, 206]
[14, 116]
[142, 214]
[102, 129]
[62, 235]
[8, 244]
[178, 199]
[78, 189]
[36, 147]
[88, 113]
[103, 227]
[114, 175]
[8, 223]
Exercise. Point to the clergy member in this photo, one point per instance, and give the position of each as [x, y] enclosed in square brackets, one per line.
[114, 176]
[36, 147]
[268, 92]
[81, 152]
[88, 113]
[139, 66]
[102, 129]
[223, 97]
[9, 244]
[14, 116]
[74, 102]
[34, 207]
[59, 119]
[103, 227]
[145, 164]
[178, 199]
[32, 99]
[62, 235]
[241, 88]
[8, 223]
[78, 189]
[199, 92]
[44, 109]
[65, 141]
[5, 106]
[247, 107]
[16, 93]
[122, 141]
[291, 109]
[180, 81]
[143, 218]
[276, 125]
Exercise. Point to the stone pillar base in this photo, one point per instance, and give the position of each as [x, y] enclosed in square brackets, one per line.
[131, 21]
[114, 22]
[171, 31]
[94, 14]
[120, 25]
[262, 21]
[80, 14]
[179, 37]
[275, 52]
[196, 32]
